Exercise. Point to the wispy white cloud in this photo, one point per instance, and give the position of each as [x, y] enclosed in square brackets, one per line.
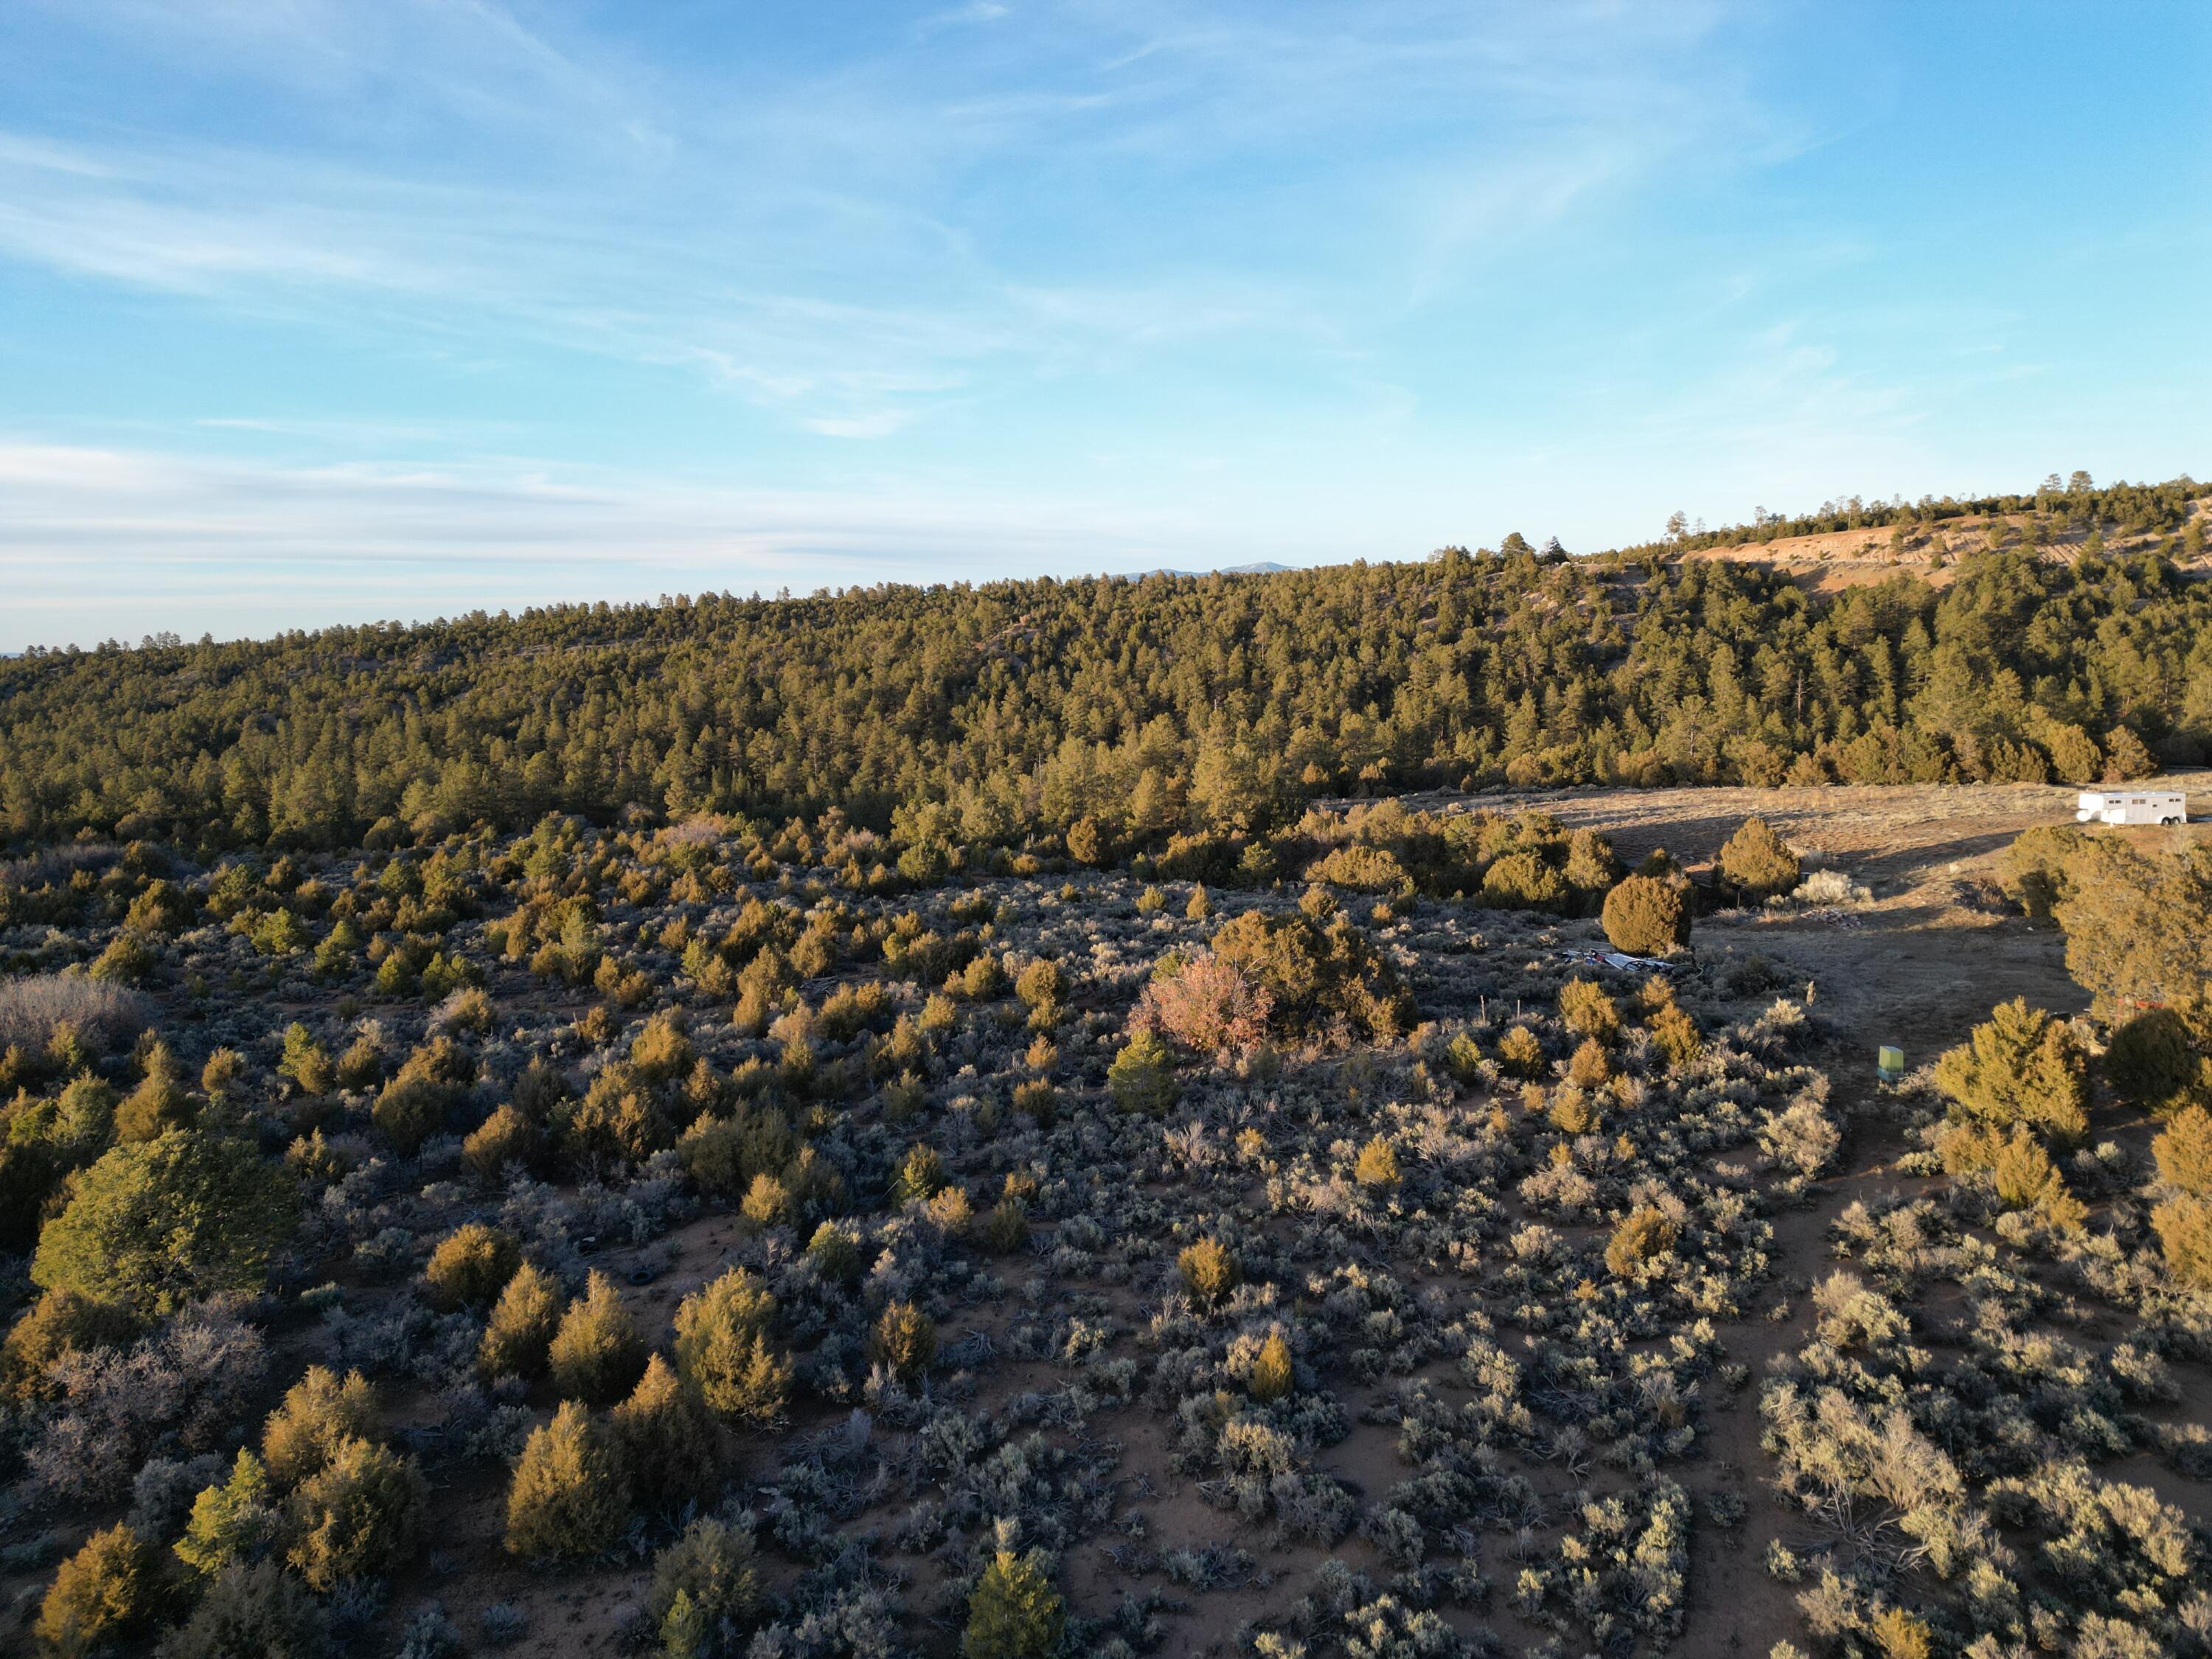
[814, 241]
[879, 423]
[975, 11]
[362, 436]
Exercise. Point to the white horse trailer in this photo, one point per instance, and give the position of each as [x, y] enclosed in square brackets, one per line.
[2132, 806]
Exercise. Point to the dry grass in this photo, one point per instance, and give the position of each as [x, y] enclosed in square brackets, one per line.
[56, 863]
[107, 1016]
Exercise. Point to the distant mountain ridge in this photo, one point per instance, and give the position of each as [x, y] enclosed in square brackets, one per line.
[1263, 567]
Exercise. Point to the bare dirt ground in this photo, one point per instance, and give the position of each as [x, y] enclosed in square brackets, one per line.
[1936, 948]
[1918, 967]
[1837, 559]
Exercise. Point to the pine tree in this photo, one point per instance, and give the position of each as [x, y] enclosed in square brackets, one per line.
[684, 1630]
[904, 1339]
[167, 1221]
[1592, 867]
[836, 1253]
[1142, 1077]
[306, 1061]
[159, 1103]
[920, 1175]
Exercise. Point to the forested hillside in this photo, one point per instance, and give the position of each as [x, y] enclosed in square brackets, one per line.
[879, 1126]
[1219, 702]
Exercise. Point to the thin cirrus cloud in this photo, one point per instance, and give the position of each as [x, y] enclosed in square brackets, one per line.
[337, 249]
[800, 246]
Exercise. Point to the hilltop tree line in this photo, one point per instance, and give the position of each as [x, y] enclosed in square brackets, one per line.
[2075, 506]
[1004, 714]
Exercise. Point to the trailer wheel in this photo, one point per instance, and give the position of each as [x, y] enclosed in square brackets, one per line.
[2169, 822]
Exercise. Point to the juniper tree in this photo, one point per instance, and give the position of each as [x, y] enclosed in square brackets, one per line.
[1377, 1164]
[723, 1348]
[361, 1516]
[2021, 1065]
[167, 1221]
[597, 1355]
[1014, 1612]
[1757, 863]
[518, 1340]
[318, 1413]
[2151, 1062]
[105, 1593]
[470, 1266]
[570, 1495]
[1209, 1271]
[1271, 1374]
[2183, 1151]
[1646, 917]
[667, 1438]
[2138, 924]
[712, 1564]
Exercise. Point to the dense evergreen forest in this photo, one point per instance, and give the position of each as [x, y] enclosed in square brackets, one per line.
[1000, 713]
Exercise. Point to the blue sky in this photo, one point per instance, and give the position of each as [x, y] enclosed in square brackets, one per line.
[314, 311]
